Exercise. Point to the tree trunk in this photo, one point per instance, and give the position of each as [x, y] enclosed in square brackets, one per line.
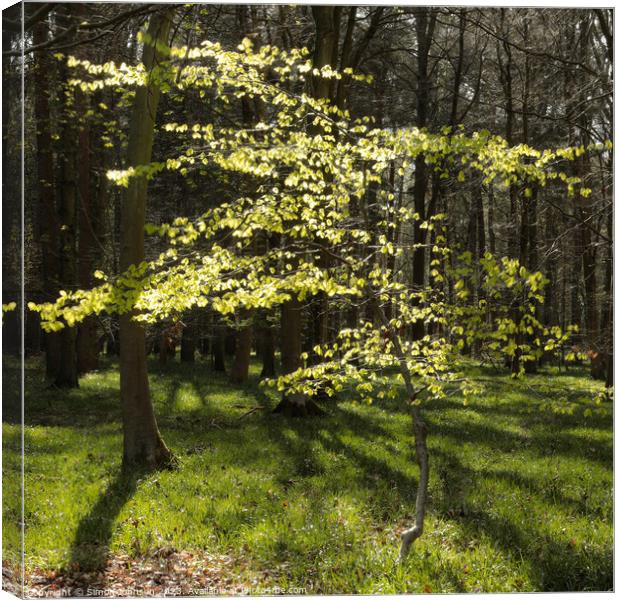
[66, 375]
[425, 19]
[515, 239]
[87, 338]
[529, 207]
[326, 20]
[410, 535]
[48, 217]
[32, 333]
[243, 348]
[267, 351]
[609, 376]
[188, 343]
[326, 24]
[143, 445]
[419, 433]
[88, 335]
[296, 405]
[88, 252]
[219, 347]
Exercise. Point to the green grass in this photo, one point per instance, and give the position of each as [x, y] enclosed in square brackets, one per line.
[520, 499]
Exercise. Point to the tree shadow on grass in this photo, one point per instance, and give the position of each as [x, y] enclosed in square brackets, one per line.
[391, 489]
[540, 441]
[528, 413]
[90, 547]
[554, 563]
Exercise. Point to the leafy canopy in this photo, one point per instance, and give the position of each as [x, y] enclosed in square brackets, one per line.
[317, 187]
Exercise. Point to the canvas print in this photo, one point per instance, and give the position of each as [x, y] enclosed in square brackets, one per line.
[306, 299]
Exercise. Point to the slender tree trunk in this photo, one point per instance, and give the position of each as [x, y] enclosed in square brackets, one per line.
[425, 19]
[66, 375]
[188, 343]
[515, 240]
[219, 350]
[48, 217]
[609, 377]
[87, 335]
[607, 317]
[143, 445]
[87, 338]
[491, 219]
[477, 246]
[585, 206]
[243, 348]
[413, 533]
[419, 433]
[528, 256]
[267, 351]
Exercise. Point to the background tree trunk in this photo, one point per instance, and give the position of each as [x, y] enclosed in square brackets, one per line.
[267, 351]
[219, 347]
[48, 217]
[188, 343]
[243, 348]
[425, 20]
[87, 334]
[296, 405]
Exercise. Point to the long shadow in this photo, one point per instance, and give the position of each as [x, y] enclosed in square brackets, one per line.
[549, 494]
[454, 478]
[556, 566]
[299, 451]
[544, 442]
[529, 413]
[391, 488]
[90, 547]
[553, 564]
[451, 472]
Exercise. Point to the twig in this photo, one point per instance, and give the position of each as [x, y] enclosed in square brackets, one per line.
[252, 410]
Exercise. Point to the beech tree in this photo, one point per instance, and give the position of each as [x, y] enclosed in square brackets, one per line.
[540, 77]
[311, 166]
[142, 441]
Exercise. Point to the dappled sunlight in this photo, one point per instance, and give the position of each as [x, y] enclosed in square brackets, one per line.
[523, 505]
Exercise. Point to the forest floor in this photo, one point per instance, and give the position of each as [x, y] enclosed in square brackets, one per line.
[521, 495]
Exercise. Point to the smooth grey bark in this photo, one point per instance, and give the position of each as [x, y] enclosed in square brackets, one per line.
[419, 433]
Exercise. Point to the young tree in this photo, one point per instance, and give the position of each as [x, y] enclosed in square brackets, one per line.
[311, 163]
